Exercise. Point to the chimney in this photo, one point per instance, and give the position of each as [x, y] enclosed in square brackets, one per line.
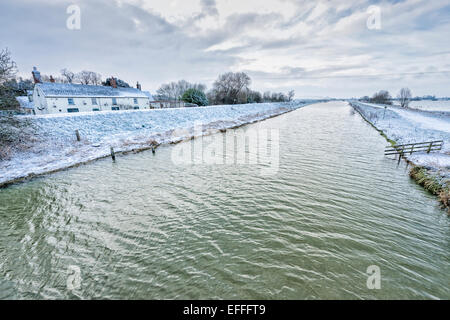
[113, 82]
[138, 86]
[36, 75]
[52, 80]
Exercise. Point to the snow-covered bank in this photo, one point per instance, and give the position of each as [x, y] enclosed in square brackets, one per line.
[53, 145]
[410, 126]
[428, 105]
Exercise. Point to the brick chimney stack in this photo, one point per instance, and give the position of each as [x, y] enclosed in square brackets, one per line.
[113, 82]
[138, 86]
[52, 80]
[36, 75]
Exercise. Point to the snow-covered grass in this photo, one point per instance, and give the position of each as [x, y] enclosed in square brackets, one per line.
[53, 145]
[409, 126]
[405, 126]
[429, 105]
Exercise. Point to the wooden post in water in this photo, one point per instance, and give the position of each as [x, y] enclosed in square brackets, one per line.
[113, 154]
[78, 135]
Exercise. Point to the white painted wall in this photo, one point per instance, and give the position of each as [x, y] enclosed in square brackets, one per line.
[85, 104]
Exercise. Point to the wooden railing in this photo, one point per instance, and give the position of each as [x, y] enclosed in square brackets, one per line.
[404, 149]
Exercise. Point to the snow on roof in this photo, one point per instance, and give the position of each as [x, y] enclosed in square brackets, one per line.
[51, 89]
[24, 102]
[148, 94]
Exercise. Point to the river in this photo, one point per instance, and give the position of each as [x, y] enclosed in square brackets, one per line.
[148, 228]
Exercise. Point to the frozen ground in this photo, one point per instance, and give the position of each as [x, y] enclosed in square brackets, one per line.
[55, 147]
[429, 105]
[409, 126]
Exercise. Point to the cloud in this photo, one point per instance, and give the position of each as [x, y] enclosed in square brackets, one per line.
[209, 7]
[283, 44]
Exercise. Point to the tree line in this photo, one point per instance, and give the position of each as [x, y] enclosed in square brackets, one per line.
[229, 88]
[384, 97]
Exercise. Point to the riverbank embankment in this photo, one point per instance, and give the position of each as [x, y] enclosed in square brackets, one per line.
[403, 126]
[49, 143]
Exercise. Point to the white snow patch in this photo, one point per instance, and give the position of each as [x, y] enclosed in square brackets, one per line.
[410, 126]
[433, 160]
[124, 131]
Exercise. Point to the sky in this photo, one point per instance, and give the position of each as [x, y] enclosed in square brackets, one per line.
[326, 48]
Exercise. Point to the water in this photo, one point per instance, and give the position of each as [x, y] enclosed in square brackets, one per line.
[145, 228]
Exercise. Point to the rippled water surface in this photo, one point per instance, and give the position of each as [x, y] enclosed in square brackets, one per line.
[149, 229]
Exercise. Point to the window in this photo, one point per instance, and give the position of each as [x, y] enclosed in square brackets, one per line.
[135, 101]
[70, 101]
[94, 101]
[70, 110]
[136, 107]
[114, 101]
[95, 109]
[115, 108]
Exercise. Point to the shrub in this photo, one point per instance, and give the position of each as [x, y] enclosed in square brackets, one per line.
[195, 96]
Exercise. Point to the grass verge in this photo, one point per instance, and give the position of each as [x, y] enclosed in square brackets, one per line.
[422, 176]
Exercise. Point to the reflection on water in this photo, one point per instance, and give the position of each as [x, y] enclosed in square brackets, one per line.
[145, 228]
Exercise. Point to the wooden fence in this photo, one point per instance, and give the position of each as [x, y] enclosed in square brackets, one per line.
[404, 149]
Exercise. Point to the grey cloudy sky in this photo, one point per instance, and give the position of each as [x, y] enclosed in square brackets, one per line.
[318, 48]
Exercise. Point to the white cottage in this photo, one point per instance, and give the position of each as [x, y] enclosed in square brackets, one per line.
[50, 97]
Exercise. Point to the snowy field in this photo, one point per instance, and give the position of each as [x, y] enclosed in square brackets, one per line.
[55, 146]
[428, 105]
[410, 126]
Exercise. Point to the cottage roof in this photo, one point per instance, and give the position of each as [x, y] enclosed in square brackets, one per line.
[51, 89]
[24, 102]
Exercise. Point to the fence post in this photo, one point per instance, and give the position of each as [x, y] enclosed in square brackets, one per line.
[400, 155]
[429, 148]
[78, 135]
[412, 149]
[113, 154]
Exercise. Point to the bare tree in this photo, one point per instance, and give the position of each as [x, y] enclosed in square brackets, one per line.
[291, 95]
[89, 77]
[229, 88]
[266, 96]
[68, 75]
[8, 67]
[175, 90]
[84, 77]
[167, 91]
[96, 78]
[381, 97]
[404, 96]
